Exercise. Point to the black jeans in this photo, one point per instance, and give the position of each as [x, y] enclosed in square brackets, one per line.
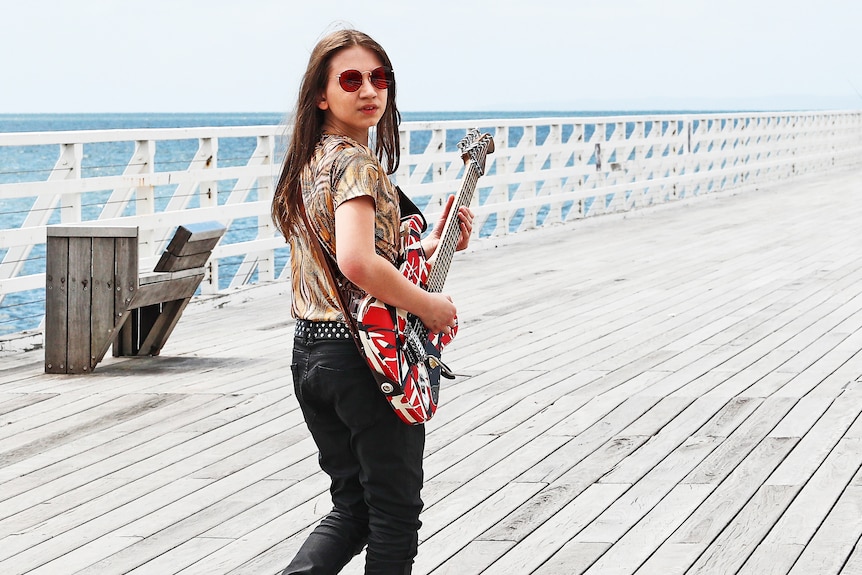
[373, 459]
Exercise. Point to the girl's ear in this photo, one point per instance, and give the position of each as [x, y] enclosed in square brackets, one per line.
[322, 103]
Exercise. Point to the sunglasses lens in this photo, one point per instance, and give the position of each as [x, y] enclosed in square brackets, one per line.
[350, 80]
[380, 78]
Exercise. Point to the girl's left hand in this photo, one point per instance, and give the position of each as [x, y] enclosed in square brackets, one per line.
[465, 215]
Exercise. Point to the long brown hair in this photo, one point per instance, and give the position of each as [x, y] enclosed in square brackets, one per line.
[308, 125]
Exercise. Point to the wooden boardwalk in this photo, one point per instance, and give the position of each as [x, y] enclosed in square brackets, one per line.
[674, 391]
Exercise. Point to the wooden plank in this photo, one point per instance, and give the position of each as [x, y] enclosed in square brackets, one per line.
[473, 523]
[634, 546]
[161, 277]
[722, 505]
[193, 233]
[102, 300]
[274, 560]
[160, 553]
[171, 263]
[447, 496]
[90, 231]
[671, 559]
[575, 557]
[190, 246]
[47, 412]
[804, 518]
[79, 304]
[720, 463]
[541, 543]
[473, 559]
[817, 443]
[670, 437]
[16, 402]
[155, 293]
[126, 286]
[56, 305]
[728, 552]
[853, 566]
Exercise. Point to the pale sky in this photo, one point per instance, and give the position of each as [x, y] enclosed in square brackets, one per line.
[463, 55]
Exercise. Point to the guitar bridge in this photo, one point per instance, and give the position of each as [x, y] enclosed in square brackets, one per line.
[414, 348]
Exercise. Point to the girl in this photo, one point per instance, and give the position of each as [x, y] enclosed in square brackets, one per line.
[373, 459]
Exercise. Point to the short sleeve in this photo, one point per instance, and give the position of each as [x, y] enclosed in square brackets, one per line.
[354, 174]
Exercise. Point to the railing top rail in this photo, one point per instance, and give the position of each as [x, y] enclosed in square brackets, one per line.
[607, 119]
[123, 134]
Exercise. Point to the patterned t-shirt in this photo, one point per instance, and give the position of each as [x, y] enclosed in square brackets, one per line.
[340, 169]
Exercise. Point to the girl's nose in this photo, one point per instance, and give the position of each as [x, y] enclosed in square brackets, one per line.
[367, 85]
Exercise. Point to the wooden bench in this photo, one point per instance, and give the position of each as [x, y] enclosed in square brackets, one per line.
[95, 296]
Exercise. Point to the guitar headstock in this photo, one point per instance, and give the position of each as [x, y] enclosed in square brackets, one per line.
[475, 146]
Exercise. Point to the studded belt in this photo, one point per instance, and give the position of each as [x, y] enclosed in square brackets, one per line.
[316, 330]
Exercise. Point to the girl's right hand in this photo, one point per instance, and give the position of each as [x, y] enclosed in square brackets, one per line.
[439, 316]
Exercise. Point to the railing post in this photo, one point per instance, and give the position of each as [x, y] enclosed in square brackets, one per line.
[634, 169]
[206, 159]
[140, 164]
[500, 192]
[68, 167]
[145, 196]
[552, 186]
[265, 150]
[436, 145]
[527, 188]
[581, 161]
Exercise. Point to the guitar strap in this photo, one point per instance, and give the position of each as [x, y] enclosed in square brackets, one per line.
[408, 208]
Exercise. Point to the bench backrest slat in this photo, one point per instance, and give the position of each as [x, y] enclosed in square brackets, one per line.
[190, 247]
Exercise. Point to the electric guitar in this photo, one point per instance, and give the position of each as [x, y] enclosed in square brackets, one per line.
[399, 348]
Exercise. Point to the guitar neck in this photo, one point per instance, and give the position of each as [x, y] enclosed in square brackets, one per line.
[452, 230]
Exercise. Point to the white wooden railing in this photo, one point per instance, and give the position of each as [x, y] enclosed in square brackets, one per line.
[544, 171]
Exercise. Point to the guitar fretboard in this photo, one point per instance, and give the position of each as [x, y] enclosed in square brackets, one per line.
[452, 230]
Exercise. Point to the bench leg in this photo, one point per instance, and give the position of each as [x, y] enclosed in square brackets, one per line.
[148, 328]
[124, 339]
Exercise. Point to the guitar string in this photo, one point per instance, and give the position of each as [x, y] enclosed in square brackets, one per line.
[450, 239]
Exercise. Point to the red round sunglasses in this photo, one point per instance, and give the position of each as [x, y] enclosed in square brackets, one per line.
[351, 80]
